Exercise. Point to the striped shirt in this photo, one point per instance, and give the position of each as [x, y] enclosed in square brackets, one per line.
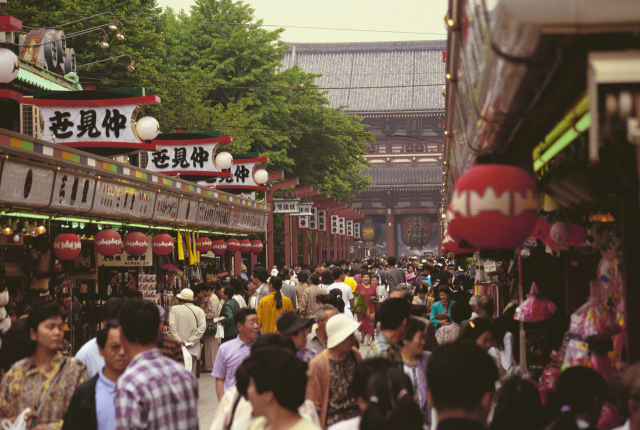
[156, 393]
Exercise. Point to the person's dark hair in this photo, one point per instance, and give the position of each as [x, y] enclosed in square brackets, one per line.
[392, 312]
[16, 344]
[411, 265]
[427, 267]
[267, 370]
[276, 283]
[42, 312]
[392, 261]
[487, 304]
[460, 280]
[303, 277]
[444, 289]
[336, 273]
[364, 370]
[475, 329]
[327, 299]
[336, 294]
[229, 292]
[364, 273]
[391, 404]
[459, 374]
[415, 325]
[418, 310]
[236, 284]
[461, 311]
[133, 294]
[273, 340]
[284, 274]
[505, 323]
[518, 406]
[110, 309]
[576, 390]
[261, 273]
[315, 280]
[139, 320]
[422, 288]
[103, 334]
[327, 278]
[240, 316]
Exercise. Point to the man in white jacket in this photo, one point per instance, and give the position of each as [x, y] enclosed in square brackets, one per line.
[188, 323]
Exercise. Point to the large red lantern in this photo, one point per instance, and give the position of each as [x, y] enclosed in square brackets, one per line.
[219, 247]
[452, 222]
[108, 242]
[578, 235]
[162, 244]
[494, 206]
[136, 244]
[256, 246]
[67, 246]
[233, 245]
[203, 244]
[416, 231]
[454, 247]
[245, 245]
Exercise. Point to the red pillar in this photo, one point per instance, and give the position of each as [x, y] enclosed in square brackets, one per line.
[314, 247]
[294, 240]
[336, 246]
[328, 237]
[391, 236]
[269, 244]
[305, 254]
[254, 261]
[287, 242]
[237, 262]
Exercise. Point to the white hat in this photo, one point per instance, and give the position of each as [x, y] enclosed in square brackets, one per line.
[274, 272]
[340, 327]
[186, 295]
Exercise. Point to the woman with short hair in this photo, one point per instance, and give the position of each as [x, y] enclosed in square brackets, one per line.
[441, 311]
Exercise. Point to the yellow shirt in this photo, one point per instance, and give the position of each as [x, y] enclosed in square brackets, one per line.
[350, 282]
[268, 314]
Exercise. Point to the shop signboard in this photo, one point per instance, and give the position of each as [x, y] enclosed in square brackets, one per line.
[124, 259]
[166, 207]
[303, 222]
[187, 211]
[334, 224]
[72, 191]
[115, 198]
[313, 218]
[206, 212]
[245, 220]
[221, 217]
[350, 228]
[285, 206]
[241, 176]
[185, 158]
[142, 203]
[26, 184]
[322, 220]
[356, 230]
[342, 230]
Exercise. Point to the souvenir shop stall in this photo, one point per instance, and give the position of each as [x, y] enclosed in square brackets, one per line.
[542, 129]
[79, 228]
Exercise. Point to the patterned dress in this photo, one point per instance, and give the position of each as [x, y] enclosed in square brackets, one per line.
[366, 326]
[342, 402]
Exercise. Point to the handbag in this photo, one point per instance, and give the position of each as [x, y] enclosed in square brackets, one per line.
[44, 262]
[13, 268]
[211, 328]
[40, 285]
[359, 306]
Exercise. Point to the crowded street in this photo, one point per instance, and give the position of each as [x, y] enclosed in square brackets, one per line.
[336, 215]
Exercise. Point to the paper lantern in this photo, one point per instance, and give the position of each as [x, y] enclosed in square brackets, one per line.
[67, 246]
[560, 232]
[454, 247]
[371, 232]
[136, 244]
[261, 176]
[224, 160]
[233, 245]
[578, 235]
[245, 245]
[540, 229]
[147, 128]
[256, 246]
[203, 244]
[9, 66]
[415, 231]
[494, 206]
[162, 244]
[219, 247]
[108, 242]
[452, 223]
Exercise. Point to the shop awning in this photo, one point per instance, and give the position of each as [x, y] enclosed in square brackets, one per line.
[56, 180]
[44, 79]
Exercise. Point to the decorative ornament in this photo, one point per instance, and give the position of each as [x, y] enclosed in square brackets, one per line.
[162, 244]
[261, 176]
[67, 246]
[203, 244]
[560, 232]
[245, 245]
[147, 128]
[224, 160]
[371, 232]
[578, 235]
[219, 247]
[415, 231]
[136, 244]
[256, 246]
[525, 252]
[494, 206]
[108, 243]
[452, 224]
[454, 247]
[233, 245]
[9, 66]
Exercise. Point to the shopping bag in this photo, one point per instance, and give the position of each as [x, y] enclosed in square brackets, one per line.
[18, 424]
[534, 309]
[187, 358]
[359, 306]
[219, 331]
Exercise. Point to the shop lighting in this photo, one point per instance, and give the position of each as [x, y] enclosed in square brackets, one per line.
[24, 215]
[569, 136]
[7, 230]
[600, 217]
[71, 219]
[42, 229]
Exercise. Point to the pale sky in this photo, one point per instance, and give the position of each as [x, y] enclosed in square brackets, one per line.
[410, 16]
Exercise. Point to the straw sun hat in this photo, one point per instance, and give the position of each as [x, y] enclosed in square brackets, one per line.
[339, 328]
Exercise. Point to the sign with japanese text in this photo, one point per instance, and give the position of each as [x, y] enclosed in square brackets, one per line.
[350, 228]
[322, 220]
[166, 207]
[173, 159]
[342, 229]
[72, 191]
[26, 184]
[303, 222]
[241, 176]
[313, 218]
[282, 206]
[334, 224]
[206, 212]
[115, 198]
[356, 230]
[187, 211]
[304, 209]
[124, 259]
[221, 217]
[246, 220]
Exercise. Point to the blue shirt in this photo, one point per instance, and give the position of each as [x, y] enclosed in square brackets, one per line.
[230, 356]
[105, 406]
[90, 356]
[437, 308]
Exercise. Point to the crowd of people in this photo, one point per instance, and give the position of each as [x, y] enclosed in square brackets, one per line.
[373, 344]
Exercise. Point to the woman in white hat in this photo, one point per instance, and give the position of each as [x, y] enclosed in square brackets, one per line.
[331, 373]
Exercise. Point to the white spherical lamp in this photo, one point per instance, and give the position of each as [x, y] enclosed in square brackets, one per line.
[261, 176]
[9, 66]
[147, 128]
[224, 160]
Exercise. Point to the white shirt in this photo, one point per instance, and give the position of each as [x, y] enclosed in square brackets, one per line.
[261, 292]
[350, 424]
[347, 296]
[89, 354]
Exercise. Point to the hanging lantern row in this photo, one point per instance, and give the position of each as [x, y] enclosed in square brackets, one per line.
[493, 206]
